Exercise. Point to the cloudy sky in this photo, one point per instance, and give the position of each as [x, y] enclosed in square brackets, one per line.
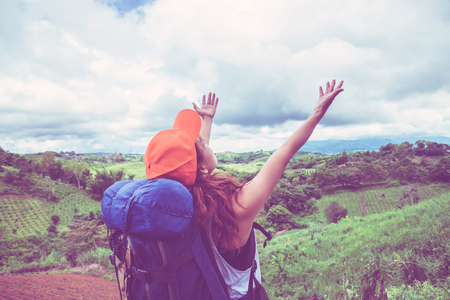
[106, 75]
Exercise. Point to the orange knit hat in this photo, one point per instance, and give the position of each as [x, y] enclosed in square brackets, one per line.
[171, 153]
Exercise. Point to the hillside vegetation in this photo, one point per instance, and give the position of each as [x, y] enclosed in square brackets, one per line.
[411, 244]
[378, 219]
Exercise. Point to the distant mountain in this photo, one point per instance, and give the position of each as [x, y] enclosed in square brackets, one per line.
[337, 146]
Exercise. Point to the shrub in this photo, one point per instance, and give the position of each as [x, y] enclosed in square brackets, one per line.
[83, 236]
[55, 219]
[9, 177]
[98, 256]
[103, 180]
[281, 218]
[279, 214]
[334, 212]
[52, 228]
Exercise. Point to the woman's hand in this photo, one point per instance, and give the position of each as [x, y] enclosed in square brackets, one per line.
[208, 109]
[326, 99]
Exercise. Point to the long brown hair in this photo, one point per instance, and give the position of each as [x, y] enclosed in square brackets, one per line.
[213, 196]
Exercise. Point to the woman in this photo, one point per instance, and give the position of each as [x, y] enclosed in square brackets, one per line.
[226, 208]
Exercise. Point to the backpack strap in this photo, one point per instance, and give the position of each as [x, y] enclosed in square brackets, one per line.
[250, 291]
[162, 274]
[269, 235]
[208, 248]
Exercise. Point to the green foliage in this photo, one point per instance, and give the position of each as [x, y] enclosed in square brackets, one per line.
[342, 159]
[441, 172]
[10, 177]
[52, 228]
[98, 256]
[325, 178]
[55, 219]
[46, 161]
[83, 236]
[104, 179]
[375, 204]
[296, 199]
[350, 177]
[417, 235]
[375, 173]
[334, 212]
[420, 291]
[280, 218]
[16, 251]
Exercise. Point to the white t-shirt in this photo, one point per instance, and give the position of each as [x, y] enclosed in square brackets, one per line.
[236, 280]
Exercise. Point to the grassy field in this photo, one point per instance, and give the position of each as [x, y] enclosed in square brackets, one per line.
[373, 202]
[131, 168]
[412, 244]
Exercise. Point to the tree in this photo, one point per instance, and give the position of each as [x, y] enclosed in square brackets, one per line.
[388, 149]
[324, 178]
[342, 159]
[104, 179]
[350, 177]
[334, 212]
[405, 170]
[403, 150]
[68, 169]
[441, 171]
[24, 165]
[56, 170]
[2, 156]
[375, 173]
[9, 177]
[78, 171]
[47, 185]
[47, 160]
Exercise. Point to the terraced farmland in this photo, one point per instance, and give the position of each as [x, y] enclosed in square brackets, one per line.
[23, 215]
[26, 215]
[73, 204]
[373, 201]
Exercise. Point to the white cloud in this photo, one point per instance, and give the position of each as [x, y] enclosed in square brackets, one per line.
[80, 75]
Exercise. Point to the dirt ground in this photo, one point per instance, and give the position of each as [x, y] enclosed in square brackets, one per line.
[57, 286]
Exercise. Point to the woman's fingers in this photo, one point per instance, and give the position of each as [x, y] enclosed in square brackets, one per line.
[330, 87]
[333, 83]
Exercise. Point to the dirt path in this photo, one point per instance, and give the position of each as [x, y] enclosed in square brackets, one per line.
[57, 286]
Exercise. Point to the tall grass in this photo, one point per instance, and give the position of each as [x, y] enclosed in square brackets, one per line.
[312, 261]
[98, 256]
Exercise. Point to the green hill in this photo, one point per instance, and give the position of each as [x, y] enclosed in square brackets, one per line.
[25, 215]
[373, 202]
[412, 245]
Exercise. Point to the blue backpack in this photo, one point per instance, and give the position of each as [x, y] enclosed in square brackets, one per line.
[159, 250]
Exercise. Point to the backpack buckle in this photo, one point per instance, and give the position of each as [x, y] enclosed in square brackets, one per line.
[254, 266]
[140, 274]
[112, 259]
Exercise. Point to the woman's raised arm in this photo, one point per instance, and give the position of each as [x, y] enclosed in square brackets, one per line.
[251, 198]
[207, 112]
